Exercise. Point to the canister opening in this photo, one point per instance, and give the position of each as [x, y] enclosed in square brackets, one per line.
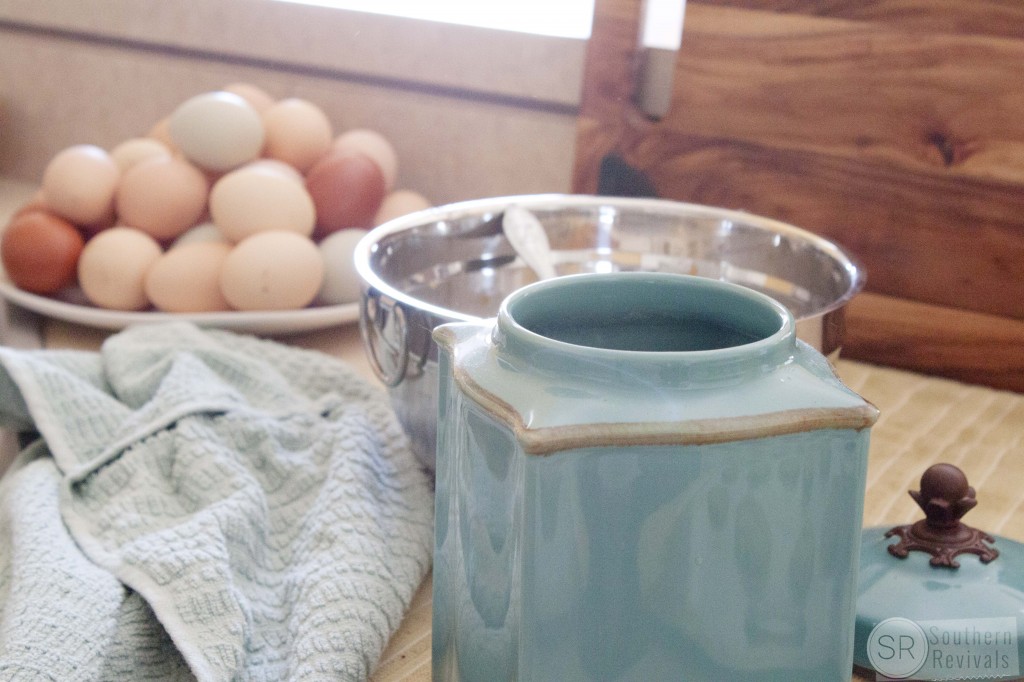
[647, 313]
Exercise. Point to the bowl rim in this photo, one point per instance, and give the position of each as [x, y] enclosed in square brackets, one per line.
[370, 279]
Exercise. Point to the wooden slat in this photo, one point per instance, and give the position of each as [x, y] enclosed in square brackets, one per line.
[922, 102]
[606, 98]
[892, 127]
[956, 243]
[847, 130]
[969, 347]
[997, 18]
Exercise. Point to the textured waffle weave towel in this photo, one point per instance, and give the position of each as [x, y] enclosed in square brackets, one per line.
[203, 505]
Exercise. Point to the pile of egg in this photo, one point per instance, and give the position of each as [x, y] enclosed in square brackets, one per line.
[233, 202]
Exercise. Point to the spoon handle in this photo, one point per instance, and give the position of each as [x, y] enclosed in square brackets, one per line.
[529, 239]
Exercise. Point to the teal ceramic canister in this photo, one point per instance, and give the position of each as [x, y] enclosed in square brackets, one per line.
[644, 476]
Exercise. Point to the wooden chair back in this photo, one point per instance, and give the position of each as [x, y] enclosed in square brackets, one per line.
[893, 127]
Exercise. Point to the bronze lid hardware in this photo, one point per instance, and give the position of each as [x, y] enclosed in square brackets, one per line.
[945, 497]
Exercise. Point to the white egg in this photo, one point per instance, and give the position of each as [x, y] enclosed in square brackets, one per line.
[341, 281]
[217, 130]
[201, 233]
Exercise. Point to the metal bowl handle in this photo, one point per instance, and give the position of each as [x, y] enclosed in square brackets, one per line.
[385, 333]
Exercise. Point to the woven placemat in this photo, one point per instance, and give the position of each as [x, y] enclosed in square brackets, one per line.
[924, 420]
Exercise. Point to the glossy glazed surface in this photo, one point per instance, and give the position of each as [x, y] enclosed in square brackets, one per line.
[613, 511]
[943, 600]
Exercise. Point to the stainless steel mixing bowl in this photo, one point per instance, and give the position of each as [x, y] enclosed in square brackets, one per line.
[454, 263]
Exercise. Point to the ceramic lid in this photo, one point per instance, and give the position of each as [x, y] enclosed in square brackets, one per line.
[938, 599]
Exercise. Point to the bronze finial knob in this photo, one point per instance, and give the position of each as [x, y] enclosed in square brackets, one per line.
[945, 497]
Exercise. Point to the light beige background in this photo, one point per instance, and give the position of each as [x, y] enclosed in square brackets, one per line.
[471, 112]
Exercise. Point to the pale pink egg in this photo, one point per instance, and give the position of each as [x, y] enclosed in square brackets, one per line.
[399, 203]
[136, 149]
[297, 132]
[272, 271]
[257, 199]
[275, 166]
[161, 132]
[186, 279]
[113, 266]
[162, 196]
[79, 184]
[258, 98]
[109, 219]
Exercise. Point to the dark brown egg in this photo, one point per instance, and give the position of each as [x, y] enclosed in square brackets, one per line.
[347, 189]
[40, 251]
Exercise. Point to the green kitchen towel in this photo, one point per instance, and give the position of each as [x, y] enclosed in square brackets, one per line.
[203, 504]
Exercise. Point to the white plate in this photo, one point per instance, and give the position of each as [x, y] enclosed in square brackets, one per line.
[71, 306]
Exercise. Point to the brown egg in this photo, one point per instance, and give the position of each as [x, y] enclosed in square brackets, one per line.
[162, 196]
[347, 190]
[374, 145]
[186, 279]
[79, 183]
[40, 251]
